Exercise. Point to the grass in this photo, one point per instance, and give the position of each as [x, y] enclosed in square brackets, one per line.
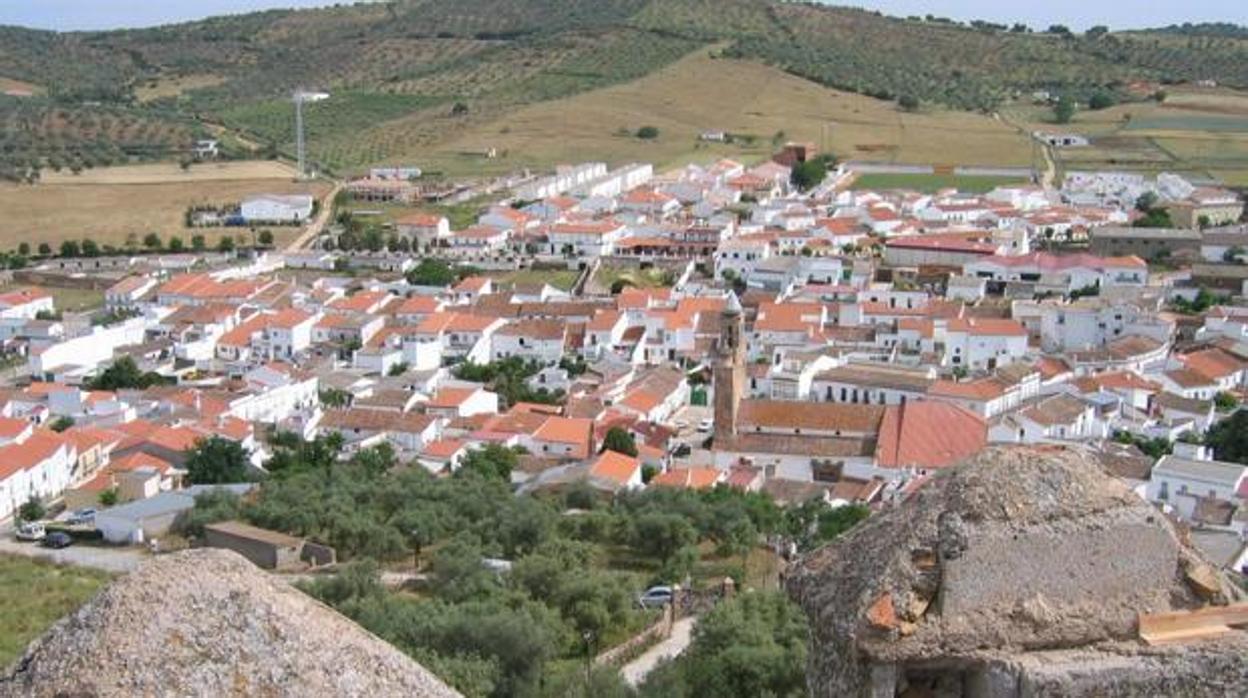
[700, 93]
[653, 277]
[73, 300]
[562, 279]
[932, 182]
[109, 213]
[36, 595]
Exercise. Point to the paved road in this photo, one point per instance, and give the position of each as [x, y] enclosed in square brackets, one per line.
[117, 560]
[318, 224]
[682, 633]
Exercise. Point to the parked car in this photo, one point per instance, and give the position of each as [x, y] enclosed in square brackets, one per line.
[81, 517]
[655, 597]
[31, 531]
[57, 540]
[706, 424]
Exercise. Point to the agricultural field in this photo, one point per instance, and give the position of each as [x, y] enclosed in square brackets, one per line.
[168, 173]
[171, 87]
[37, 594]
[110, 213]
[932, 182]
[702, 92]
[1200, 133]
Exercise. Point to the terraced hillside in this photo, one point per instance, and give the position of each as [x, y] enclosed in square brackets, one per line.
[413, 74]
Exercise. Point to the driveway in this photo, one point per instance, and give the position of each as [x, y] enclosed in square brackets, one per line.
[118, 560]
[682, 634]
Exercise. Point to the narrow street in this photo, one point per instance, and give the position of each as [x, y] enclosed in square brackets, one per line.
[682, 634]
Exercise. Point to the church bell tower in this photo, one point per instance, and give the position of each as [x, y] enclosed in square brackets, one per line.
[729, 372]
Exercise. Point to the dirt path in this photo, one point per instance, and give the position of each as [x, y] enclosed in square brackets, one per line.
[318, 224]
[682, 634]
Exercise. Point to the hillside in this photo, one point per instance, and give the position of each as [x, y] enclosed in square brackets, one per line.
[412, 74]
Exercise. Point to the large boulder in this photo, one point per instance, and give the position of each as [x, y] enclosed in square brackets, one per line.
[209, 623]
[1019, 559]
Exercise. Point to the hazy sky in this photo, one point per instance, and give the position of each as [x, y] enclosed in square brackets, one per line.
[1078, 14]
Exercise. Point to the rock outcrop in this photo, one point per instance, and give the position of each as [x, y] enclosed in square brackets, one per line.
[1020, 573]
[209, 623]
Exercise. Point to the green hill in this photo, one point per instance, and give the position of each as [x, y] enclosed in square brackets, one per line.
[412, 73]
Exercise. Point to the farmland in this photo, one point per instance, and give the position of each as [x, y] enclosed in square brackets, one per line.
[169, 173]
[701, 92]
[1200, 133]
[110, 213]
[37, 594]
[443, 76]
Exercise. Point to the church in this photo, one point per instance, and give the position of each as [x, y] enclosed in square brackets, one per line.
[828, 441]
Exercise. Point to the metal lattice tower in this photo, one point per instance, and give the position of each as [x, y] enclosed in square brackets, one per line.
[300, 97]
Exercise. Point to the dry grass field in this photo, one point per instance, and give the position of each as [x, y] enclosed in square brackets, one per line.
[700, 93]
[109, 212]
[171, 173]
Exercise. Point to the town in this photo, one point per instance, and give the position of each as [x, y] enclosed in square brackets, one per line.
[597, 331]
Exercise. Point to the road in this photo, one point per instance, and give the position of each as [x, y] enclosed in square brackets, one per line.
[682, 634]
[110, 559]
[318, 224]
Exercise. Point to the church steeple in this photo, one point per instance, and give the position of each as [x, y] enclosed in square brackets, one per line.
[729, 370]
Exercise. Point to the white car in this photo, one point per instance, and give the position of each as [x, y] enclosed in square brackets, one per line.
[32, 531]
[706, 424]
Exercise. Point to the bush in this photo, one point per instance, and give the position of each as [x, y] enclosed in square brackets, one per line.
[648, 133]
[32, 510]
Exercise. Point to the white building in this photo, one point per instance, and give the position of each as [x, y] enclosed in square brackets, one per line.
[277, 208]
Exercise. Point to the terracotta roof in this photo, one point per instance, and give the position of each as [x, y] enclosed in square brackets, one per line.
[37, 448]
[443, 448]
[985, 327]
[377, 420]
[1056, 410]
[929, 435]
[447, 398]
[688, 478]
[616, 467]
[1213, 363]
[821, 416]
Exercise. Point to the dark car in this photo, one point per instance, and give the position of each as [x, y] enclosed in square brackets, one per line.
[57, 539]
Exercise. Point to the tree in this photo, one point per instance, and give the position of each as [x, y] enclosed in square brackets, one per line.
[809, 174]
[124, 374]
[398, 369]
[648, 133]
[216, 460]
[1229, 438]
[108, 497]
[198, 243]
[431, 272]
[61, 423]
[752, 645]
[662, 535]
[266, 238]
[151, 241]
[1064, 110]
[618, 439]
[1225, 402]
[225, 244]
[70, 248]
[491, 461]
[32, 510]
[175, 244]
[1101, 100]
[1097, 31]
[44, 249]
[23, 248]
[908, 102]
[90, 248]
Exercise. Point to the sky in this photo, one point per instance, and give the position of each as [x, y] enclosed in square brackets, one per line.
[1077, 14]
